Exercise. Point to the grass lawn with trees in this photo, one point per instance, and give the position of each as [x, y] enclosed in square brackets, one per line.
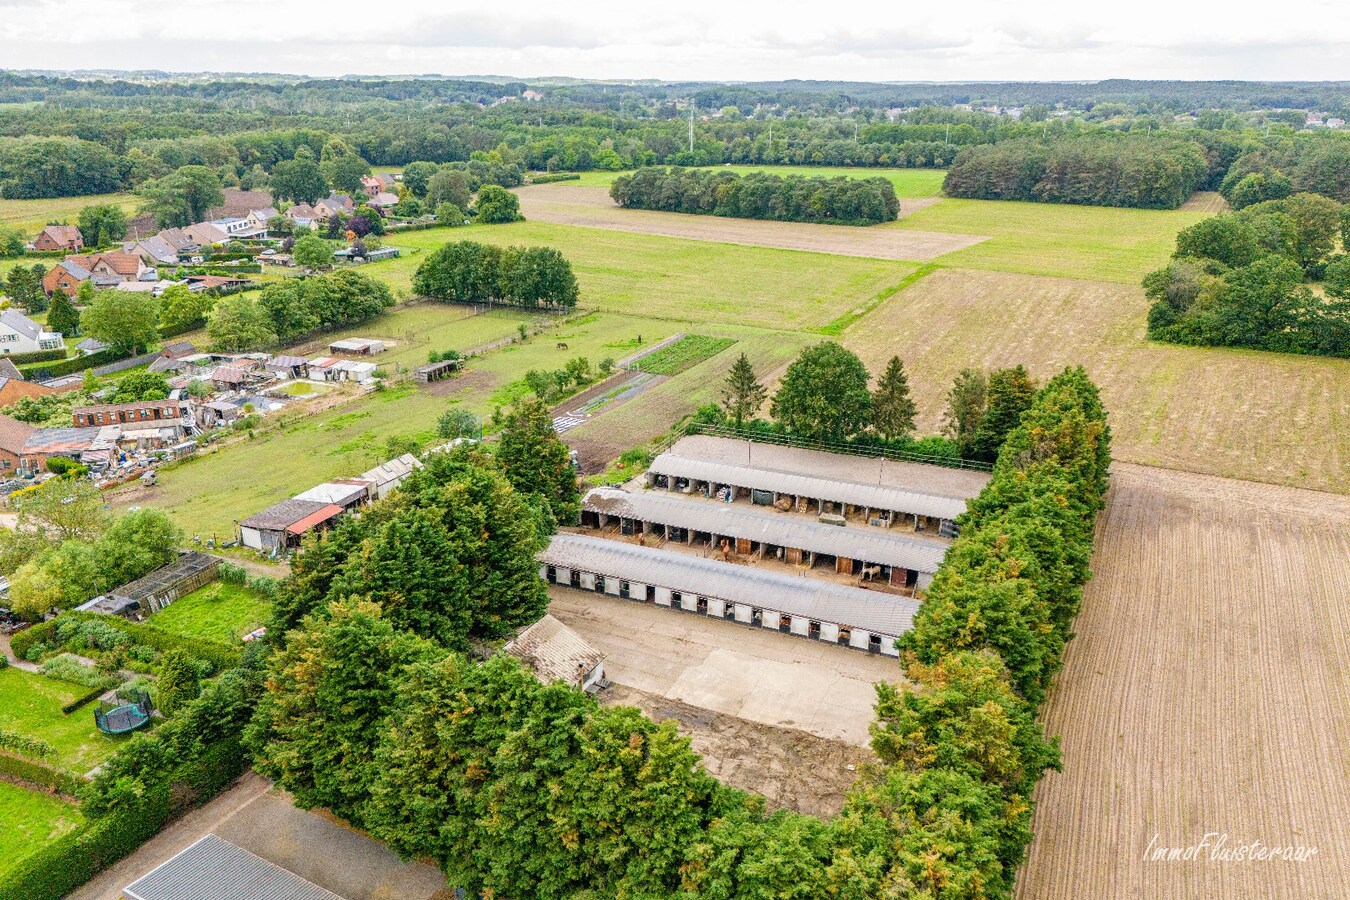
[31, 704]
[680, 279]
[218, 611]
[29, 819]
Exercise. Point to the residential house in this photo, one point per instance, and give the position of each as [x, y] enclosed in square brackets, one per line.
[175, 245]
[13, 436]
[384, 201]
[201, 283]
[59, 237]
[239, 203]
[13, 389]
[20, 334]
[302, 215]
[103, 269]
[334, 203]
[373, 184]
[90, 346]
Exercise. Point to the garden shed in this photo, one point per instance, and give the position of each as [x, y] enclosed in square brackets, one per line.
[278, 529]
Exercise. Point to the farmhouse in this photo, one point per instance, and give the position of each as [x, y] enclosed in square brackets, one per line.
[807, 607]
[20, 334]
[742, 531]
[105, 270]
[59, 237]
[835, 487]
[279, 528]
[556, 653]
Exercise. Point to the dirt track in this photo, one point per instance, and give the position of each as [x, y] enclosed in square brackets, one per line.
[591, 207]
[1207, 690]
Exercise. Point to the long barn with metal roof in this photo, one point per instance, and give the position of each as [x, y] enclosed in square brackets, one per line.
[753, 530]
[869, 489]
[815, 608]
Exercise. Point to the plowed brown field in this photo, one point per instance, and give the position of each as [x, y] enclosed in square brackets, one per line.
[1207, 690]
[591, 207]
[1237, 413]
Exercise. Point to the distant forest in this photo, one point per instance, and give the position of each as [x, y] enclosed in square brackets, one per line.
[1126, 143]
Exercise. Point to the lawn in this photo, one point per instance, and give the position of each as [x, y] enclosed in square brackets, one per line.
[909, 183]
[28, 820]
[29, 216]
[208, 494]
[31, 704]
[219, 612]
[410, 332]
[1093, 242]
[680, 279]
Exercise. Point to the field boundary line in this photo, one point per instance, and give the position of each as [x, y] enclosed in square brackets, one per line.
[838, 326]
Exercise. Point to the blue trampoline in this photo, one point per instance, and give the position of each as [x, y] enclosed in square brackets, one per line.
[127, 714]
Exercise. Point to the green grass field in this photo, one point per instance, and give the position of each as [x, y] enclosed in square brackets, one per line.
[412, 331]
[209, 494]
[909, 183]
[31, 704]
[29, 216]
[28, 820]
[219, 611]
[1090, 242]
[679, 279]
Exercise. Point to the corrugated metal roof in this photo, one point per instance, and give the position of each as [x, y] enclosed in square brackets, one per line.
[282, 515]
[874, 545]
[334, 492]
[317, 517]
[215, 869]
[395, 469]
[821, 601]
[874, 496]
[555, 652]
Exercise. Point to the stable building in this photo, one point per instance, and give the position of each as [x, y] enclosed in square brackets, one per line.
[806, 607]
[742, 531]
[837, 488]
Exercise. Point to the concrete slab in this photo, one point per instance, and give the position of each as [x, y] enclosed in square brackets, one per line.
[757, 675]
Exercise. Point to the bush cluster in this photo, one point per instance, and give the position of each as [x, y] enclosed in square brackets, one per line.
[470, 272]
[795, 198]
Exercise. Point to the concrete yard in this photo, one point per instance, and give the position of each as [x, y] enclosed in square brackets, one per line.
[758, 675]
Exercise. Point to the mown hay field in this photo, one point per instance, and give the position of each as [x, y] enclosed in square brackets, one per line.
[1092, 242]
[1237, 413]
[1205, 691]
[679, 279]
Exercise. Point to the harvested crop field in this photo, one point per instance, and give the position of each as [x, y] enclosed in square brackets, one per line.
[1206, 691]
[591, 207]
[1259, 416]
[1206, 201]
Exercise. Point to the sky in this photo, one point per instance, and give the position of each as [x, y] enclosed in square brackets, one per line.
[730, 40]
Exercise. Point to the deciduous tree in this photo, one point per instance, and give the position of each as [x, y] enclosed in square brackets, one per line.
[125, 321]
[824, 394]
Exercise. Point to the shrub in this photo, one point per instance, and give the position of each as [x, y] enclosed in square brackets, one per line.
[67, 668]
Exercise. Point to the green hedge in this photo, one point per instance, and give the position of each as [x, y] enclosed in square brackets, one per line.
[36, 356]
[70, 861]
[40, 773]
[79, 702]
[550, 177]
[40, 633]
[74, 364]
[182, 329]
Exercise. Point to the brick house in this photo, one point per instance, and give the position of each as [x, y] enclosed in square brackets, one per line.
[13, 435]
[104, 269]
[59, 237]
[130, 413]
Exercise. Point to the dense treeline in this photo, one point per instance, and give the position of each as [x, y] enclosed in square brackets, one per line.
[835, 201]
[1098, 171]
[518, 789]
[470, 272]
[1241, 280]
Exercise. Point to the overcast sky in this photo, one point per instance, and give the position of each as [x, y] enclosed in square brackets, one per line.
[939, 40]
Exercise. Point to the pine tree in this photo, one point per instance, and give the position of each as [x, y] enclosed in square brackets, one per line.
[965, 408]
[537, 462]
[178, 682]
[63, 317]
[892, 407]
[1010, 393]
[743, 395]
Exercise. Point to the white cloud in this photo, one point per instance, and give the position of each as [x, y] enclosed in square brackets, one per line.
[845, 39]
